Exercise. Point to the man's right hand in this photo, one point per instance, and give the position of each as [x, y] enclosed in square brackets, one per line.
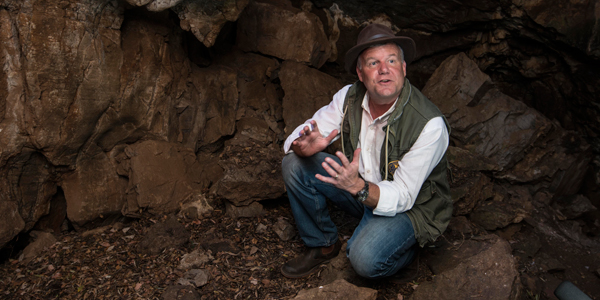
[311, 142]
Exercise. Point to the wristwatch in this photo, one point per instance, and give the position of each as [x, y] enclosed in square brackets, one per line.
[363, 194]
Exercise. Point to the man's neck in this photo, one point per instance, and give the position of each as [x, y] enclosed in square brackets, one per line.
[377, 110]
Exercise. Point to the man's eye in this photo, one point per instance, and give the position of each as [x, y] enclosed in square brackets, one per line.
[392, 61]
[372, 63]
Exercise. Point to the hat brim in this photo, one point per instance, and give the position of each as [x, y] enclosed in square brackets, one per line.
[407, 44]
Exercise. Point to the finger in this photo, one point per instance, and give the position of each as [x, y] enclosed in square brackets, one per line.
[331, 167]
[332, 135]
[356, 156]
[343, 159]
[326, 179]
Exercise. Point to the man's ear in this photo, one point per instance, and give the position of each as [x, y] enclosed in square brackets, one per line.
[359, 73]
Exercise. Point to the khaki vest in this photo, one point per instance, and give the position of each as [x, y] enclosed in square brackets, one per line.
[433, 207]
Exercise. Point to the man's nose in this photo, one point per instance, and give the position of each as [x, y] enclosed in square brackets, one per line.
[383, 68]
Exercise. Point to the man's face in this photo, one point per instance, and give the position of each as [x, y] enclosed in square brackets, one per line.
[382, 72]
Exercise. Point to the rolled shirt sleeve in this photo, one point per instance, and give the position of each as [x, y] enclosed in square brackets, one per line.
[400, 194]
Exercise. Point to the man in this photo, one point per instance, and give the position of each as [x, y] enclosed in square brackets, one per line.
[391, 171]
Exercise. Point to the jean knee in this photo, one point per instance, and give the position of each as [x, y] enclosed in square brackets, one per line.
[364, 264]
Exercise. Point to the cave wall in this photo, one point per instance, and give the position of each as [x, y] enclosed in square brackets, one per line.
[137, 106]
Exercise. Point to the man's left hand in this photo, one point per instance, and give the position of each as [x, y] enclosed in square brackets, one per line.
[343, 176]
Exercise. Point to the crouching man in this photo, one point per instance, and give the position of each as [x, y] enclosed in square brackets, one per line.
[391, 172]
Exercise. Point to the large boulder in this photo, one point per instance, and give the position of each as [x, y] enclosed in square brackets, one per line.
[280, 30]
[477, 268]
[162, 176]
[94, 188]
[528, 147]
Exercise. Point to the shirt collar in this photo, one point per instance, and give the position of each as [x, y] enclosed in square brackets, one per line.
[365, 106]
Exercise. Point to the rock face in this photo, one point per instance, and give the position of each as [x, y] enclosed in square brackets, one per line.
[283, 31]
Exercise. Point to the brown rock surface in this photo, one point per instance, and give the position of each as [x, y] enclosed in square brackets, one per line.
[486, 269]
[339, 289]
[306, 90]
[280, 30]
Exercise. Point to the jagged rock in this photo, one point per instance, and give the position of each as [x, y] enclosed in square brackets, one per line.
[339, 289]
[573, 207]
[284, 230]
[160, 5]
[252, 210]
[306, 90]
[261, 228]
[195, 259]
[506, 207]
[522, 142]
[580, 16]
[195, 210]
[42, 241]
[280, 30]
[471, 190]
[252, 170]
[482, 268]
[467, 160]
[195, 277]
[206, 18]
[162, 176]
[180, 292]
[163, 235]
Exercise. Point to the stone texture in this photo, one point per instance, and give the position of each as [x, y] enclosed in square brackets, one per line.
[94, 189]
[482, 268]
[206, 18]
[252, 168]
[573, 207]
[280, 30]
[339, 289]
[284, 230]
[508, 205]
[195, 277]
[194, 259]
[522, 142]
[306, 90]
[162, 176]
[252, 210]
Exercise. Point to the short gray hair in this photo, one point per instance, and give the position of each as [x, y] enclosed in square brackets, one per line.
[358, 63]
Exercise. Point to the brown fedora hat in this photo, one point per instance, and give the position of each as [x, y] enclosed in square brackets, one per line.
[378, 34]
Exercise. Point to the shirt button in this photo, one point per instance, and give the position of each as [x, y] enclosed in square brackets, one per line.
[369, 171]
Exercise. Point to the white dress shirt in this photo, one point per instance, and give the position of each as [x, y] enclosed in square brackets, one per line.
[394, 196]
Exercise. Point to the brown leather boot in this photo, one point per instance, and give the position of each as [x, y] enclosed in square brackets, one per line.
[307, 262]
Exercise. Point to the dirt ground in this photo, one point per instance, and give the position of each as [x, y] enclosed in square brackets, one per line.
[107, 266]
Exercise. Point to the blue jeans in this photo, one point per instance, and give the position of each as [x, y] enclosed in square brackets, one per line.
[379, 247]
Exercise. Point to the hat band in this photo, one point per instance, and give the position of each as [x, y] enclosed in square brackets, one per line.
[378, 36]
